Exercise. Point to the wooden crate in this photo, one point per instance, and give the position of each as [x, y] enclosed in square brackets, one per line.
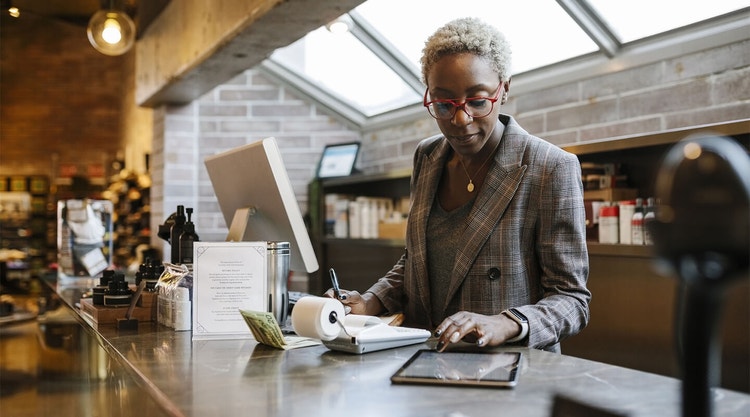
[109, 315]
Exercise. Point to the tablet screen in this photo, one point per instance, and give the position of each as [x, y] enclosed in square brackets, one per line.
[338, 160]
[490, 369]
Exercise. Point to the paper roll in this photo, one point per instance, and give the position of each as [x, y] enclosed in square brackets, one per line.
[312, 317]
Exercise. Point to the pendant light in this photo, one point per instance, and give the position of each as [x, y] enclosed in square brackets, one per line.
[111, 32]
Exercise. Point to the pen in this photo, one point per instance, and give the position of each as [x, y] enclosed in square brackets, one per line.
[335, 283]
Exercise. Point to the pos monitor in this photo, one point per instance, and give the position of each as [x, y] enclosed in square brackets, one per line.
[257, 200]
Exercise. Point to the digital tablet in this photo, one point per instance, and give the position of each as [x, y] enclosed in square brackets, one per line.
[338, 160]
[498, 369]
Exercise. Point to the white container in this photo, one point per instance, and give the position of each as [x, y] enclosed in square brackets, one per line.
[182, 309]
[609, 224]
[627, 209]
[355, 225]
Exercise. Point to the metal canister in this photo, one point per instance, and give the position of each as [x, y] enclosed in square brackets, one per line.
[278, 273]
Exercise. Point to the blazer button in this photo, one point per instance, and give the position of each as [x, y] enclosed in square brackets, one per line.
[493, 273]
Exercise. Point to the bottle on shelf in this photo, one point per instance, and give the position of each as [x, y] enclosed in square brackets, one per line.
[636, 224]
[627, 209]
[609, 224]
[648, 215]
[187, 238]
[174, 234]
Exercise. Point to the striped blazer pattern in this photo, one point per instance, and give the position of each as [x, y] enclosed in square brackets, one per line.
[524, 247]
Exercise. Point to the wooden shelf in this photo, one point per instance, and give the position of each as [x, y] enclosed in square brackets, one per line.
[669, 137]
[390, 243]
[611, 194]
[629, 251]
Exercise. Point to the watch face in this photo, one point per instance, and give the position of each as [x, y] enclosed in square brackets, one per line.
[518, 315]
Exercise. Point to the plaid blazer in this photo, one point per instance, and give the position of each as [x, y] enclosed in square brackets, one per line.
[524, 247]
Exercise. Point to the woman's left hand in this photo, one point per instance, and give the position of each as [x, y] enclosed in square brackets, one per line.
[475, 328]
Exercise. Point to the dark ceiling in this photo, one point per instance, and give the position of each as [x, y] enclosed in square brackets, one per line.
[78, 12]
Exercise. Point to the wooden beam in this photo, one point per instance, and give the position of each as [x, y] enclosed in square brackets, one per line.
[193, 46]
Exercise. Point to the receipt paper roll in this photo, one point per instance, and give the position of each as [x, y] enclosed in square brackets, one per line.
[312, 317]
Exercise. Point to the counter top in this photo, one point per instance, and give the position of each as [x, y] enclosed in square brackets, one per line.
[241, 377]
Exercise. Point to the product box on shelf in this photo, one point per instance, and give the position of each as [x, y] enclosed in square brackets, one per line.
[392, 230]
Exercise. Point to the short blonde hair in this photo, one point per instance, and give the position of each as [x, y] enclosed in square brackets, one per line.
[468, 35]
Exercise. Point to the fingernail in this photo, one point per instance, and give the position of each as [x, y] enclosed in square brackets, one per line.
[438, 333]
[480, 342]
[440, 345]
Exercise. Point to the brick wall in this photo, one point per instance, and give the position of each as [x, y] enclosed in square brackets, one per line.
[707, 87]
[60, 99]
[701, 88]
[244, 110]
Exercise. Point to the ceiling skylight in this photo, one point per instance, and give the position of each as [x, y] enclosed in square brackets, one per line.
[636, 19]
[347, 69]
[539, 31]
[374, 68]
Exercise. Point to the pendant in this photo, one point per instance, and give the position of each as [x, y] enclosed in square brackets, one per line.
[470, 187]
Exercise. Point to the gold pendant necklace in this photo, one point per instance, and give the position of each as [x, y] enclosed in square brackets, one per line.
[470, 185]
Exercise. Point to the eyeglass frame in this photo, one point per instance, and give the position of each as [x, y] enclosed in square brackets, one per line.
[461, 106]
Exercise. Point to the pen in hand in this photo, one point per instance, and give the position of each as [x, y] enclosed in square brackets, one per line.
[335, 284]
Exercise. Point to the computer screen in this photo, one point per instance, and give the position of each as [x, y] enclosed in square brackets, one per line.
[338, 160]
[251, 180]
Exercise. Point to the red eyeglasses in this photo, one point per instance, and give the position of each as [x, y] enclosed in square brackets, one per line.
[475, 107]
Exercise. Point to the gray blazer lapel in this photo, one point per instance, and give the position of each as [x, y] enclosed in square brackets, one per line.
[423, 194]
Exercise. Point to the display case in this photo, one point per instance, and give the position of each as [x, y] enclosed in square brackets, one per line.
[26, 230]
[359, 261]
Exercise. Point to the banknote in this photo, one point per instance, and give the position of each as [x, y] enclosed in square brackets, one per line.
[266, 330]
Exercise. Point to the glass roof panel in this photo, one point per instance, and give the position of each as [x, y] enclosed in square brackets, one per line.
[637, 19]
[539, 31]
[355, 76]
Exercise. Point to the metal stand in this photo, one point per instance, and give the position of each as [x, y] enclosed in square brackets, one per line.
[698, 326]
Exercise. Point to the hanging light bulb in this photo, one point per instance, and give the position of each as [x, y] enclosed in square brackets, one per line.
[111, 32]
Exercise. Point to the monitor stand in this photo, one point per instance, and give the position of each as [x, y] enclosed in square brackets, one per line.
[239, 223]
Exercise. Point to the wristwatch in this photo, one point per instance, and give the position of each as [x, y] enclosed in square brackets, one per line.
[519, 318]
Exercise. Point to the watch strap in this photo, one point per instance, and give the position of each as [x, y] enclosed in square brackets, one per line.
[519, 318]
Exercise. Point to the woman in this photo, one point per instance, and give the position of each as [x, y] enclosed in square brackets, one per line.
[495, 245]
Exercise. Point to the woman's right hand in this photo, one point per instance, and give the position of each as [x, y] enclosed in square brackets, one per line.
[355, 303]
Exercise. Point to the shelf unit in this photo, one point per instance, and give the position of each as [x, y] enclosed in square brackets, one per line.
[131, 197]
[358, 262]
[27, 225]
[639, 156]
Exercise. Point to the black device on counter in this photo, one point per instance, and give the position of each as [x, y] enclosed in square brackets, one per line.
[499, 369]
[701, 231]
